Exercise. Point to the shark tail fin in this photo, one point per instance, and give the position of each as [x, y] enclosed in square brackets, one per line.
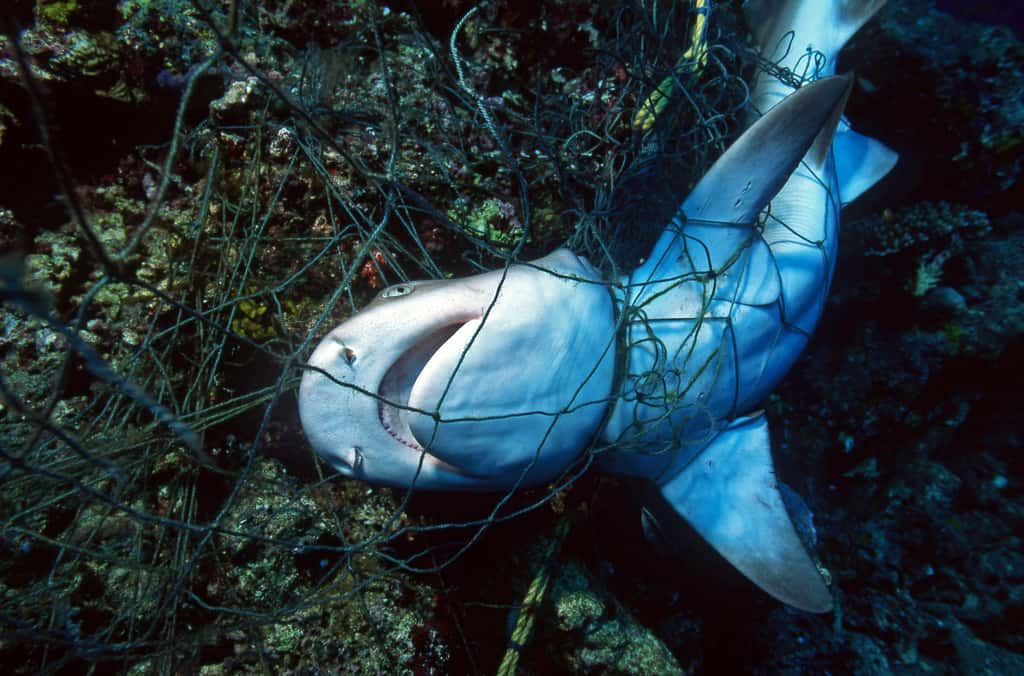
[848, 17]
[852, 14]
[730, 496]
[860, 162]
[760, 15]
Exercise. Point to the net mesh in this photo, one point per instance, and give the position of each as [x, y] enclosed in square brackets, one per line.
[159, 504]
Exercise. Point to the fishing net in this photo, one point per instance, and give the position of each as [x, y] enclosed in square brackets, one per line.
[160, 507]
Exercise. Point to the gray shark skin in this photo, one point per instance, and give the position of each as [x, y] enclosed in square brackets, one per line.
[501, 380]
[522, 359]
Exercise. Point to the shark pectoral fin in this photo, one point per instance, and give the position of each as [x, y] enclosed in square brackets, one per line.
[860, 162]
[730, 496]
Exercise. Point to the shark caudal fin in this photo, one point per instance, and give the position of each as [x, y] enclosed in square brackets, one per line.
[860, 162]
[769, 19]
[852, 14]
[730, 496]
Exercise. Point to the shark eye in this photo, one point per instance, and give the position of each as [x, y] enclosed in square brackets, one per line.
[396, 291]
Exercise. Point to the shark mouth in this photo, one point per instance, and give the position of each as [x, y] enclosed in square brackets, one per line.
[397, 387]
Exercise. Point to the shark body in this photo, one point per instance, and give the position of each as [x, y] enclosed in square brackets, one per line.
[500, 380]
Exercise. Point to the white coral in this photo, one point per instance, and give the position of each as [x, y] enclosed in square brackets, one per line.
[928, 273]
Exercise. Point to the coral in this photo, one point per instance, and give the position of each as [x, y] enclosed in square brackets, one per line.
[55, 262]
[925, 227]
[928, 274]
[241, 100]
[30, 354]
[57, 12]
[948, 91]
[918, 241]
[251, 320]
[59, 258]
[575, 609]
[592, 633]
[111, 52]
[493, 220]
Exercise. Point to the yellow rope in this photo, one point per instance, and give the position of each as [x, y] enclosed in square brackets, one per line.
[534, 597]
[692, 61]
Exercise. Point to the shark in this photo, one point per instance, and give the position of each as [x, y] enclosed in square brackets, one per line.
[504, 379]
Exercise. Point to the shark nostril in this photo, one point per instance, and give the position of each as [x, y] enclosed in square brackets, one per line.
[350, 355]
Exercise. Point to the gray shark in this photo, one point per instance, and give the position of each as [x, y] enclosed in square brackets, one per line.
[503, 379]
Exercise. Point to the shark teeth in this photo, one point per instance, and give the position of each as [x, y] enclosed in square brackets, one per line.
[392, 422]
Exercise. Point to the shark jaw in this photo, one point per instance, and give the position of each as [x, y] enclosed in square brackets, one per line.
[354, 397]
[440, 384]
[398, 382]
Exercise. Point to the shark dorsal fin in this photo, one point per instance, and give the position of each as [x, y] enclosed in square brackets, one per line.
[823, 141]
[740, 184]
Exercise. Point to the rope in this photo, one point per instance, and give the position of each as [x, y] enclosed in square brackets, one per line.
[534, 598]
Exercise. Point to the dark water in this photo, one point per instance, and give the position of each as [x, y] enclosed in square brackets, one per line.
[1008, 13]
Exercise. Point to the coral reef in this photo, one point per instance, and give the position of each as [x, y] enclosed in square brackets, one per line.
[921, 492]
[926, 227]
[593, 633]
[931, 233]
[950, 94]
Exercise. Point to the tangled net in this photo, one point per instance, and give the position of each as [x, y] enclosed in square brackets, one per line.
[159, 505]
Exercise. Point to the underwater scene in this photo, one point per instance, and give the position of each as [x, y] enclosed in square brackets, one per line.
[545, 337]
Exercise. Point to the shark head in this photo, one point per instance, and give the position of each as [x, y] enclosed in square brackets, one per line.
[482, 382]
